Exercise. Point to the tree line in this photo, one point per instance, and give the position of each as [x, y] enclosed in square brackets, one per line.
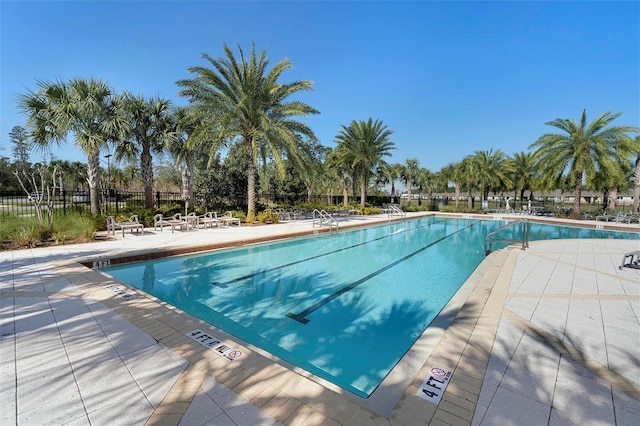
[243, 124]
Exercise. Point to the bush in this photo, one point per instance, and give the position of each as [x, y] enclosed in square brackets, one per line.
[77, 227]
[25, 236]
[416, 208]
[460, 209]
[23, 232]
[268, 216]
[371, 210]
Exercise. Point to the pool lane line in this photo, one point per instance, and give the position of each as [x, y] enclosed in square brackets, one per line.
[225, 284]
[301, 317]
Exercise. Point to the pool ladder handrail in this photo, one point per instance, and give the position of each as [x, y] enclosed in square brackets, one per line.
[392, 209]
[524, 241]
[321, 217]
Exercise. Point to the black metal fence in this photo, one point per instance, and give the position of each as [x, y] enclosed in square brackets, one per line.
[17, 203]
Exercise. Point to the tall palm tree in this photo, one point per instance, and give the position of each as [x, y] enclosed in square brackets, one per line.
[425, 180]
[364, 144]
[338, 162]
[394, 172]
[581, 149]
[85, 108]
[243, 100]
[183, 150]
[313, 168]
[611, 180]
[523, 173]
[636, 174]
[150, 125]
[409, 174]
[492, 171]
[452, 172]
[389, 174]
[469, 175]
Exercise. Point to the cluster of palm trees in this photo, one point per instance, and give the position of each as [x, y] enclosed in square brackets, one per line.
[238, 102]
[593, 155]
[98, 118]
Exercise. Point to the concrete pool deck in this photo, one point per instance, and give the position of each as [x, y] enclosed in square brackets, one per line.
[545, 336]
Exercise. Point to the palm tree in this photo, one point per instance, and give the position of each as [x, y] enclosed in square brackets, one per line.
[581, 150]
[86, 108]
[452, 173]
[394, 172]
[389, 174]
[338, 162]
[636, 175]
[469, 175]
[364, 144]
[312, 170]
[522, 173]
[492, 171]
[184, 152]
[409, 174]
[240, 99]
[425, 180]
[150, 126]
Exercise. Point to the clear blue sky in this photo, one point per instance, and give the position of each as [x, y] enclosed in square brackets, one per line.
[449, 78]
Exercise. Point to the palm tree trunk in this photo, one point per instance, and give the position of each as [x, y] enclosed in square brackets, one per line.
[363, 192]
[577, 194]
[470, 200]
[409, 192]
[345, 190]
[636, 189]
[251, 184]
[613, 196]
[146, 169]
[93, 179]
[393, 191]
[190, 166]
[457, 193]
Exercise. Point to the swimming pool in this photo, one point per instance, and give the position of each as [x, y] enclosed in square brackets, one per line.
[344, 306]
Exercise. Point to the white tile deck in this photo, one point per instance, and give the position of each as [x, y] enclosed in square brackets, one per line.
[566, 351]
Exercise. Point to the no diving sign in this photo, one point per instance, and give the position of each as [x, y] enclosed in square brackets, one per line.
[215, 344]
[433, 386]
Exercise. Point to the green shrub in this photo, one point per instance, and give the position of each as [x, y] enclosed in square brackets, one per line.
[461, 209]
[59, 237]
[78, 226]
[8, 227]
[268, 216]
[371, 210]
[25, 236]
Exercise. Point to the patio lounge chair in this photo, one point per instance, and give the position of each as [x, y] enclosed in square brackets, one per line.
[159, 222]
[210, 219]
[192, 219]
[633, 260]
[178, 221]
[626, 218]
[605, 218]
[131, 224]
[229, 220]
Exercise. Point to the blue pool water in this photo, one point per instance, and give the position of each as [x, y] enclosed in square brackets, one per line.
[345, 306]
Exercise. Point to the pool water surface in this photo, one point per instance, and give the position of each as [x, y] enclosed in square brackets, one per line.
[345, 306]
